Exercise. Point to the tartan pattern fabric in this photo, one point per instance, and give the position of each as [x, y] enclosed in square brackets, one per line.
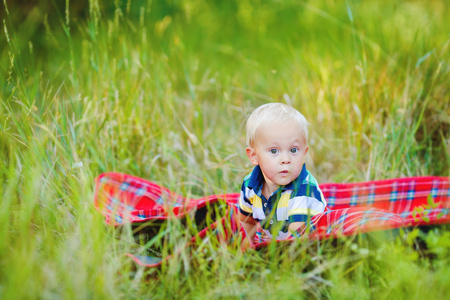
[352, 207]
[416, 200]
[123, 198]
[351, 220]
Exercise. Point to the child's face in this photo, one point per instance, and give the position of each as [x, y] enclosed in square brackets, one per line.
[280, 151]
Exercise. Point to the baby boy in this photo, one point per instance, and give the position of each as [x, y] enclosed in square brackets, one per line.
[279, 193]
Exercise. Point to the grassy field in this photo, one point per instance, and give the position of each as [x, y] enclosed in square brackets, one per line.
[161, 90]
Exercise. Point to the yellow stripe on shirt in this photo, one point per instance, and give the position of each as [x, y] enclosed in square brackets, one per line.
[256, 201]
[284, 200]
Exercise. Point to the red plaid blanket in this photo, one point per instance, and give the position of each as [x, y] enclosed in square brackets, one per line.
[352, 208]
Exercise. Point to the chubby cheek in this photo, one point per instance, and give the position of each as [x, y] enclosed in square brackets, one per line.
[269, 168]
[296, 173]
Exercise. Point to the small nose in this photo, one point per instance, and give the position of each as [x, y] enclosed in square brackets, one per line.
[285, 159]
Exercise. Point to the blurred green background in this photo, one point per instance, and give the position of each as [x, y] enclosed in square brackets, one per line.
[161, 90]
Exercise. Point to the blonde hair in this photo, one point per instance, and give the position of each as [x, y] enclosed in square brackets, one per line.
[273, 113]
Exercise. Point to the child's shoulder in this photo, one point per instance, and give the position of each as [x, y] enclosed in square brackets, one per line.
[247, 178]
[310, 180]
[309, 187]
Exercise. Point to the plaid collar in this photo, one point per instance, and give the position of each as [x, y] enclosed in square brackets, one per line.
[257, 179]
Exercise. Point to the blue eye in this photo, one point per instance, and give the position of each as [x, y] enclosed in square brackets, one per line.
[294, 150]
[273, 151]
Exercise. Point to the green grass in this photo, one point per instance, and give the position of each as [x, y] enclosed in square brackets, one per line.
[161, 90]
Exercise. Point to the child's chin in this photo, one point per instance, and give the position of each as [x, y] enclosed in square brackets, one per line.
[284, 181]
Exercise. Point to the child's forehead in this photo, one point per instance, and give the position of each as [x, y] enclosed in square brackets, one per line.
[280, 129]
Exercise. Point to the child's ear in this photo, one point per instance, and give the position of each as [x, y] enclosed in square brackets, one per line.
[252, 155]
[306, 149]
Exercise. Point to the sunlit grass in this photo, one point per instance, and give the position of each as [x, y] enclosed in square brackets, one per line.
[161, 90]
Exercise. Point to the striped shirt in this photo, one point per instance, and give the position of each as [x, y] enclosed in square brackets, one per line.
[295, 202]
